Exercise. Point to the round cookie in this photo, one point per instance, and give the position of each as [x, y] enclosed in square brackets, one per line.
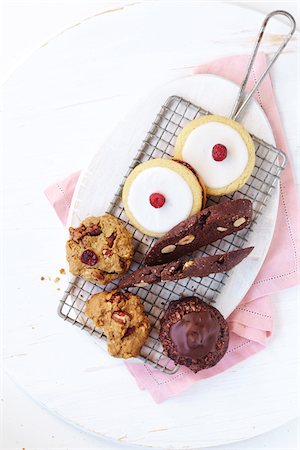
[194, 334]
[100, 249]
[123, 321]
[160, 193]
[220, 150]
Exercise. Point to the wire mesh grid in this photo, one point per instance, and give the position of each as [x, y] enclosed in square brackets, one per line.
[159, 143]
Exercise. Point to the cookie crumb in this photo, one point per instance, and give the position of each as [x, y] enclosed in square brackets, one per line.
[58, 289]
[42, 278]
[62, 271]
[49, 278]
[56, 280]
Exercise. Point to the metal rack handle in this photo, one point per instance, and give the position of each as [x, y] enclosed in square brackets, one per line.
[241, 102]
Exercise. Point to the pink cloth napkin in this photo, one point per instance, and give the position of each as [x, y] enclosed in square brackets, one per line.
[251, 323]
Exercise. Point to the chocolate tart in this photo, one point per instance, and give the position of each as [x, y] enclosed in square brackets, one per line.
[194, 334]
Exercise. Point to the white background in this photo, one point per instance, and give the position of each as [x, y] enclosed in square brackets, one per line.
[25, 26]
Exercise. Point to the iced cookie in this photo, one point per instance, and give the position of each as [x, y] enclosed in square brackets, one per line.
[122, 317]
[194, 334]
[100, 249]
[220, 150]
[160, 193]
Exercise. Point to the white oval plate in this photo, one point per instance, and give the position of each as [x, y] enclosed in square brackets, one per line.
[99, 182]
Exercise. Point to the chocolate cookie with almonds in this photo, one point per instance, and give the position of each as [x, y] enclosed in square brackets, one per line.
[185, 268]
[100, 249]
[122, 318]
[205, 227]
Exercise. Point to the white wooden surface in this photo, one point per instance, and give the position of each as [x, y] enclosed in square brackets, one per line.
[34, 427]
[40, 132]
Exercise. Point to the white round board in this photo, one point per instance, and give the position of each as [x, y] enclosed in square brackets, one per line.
[215, 94]
[60, 106]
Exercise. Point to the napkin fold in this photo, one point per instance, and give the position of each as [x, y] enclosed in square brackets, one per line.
[251, 322]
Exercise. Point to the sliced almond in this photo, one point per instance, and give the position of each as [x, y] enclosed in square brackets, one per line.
[141, 284]
[168, 249]
[239, 222]
[221, 229]
[186, 239]
[188, 264]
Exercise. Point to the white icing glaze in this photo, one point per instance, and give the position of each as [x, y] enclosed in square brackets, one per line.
[178, 194]
[197, 151]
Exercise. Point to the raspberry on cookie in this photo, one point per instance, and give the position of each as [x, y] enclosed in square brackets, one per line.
[160, 193]
[122, 317]
[100, 249]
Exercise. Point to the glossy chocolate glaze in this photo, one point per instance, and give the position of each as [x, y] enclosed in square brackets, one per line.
[196, 334]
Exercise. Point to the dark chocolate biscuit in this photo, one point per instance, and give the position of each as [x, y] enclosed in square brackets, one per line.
[194, 334]
[176, 270]
[203, 228]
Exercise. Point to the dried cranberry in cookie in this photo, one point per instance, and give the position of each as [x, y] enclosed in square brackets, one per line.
[160, 193]
[89, 258]
[220, 150]
[100, 249]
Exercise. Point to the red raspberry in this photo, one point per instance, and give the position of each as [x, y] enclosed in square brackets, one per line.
[89, 257]
[219, 152]
[157, 200]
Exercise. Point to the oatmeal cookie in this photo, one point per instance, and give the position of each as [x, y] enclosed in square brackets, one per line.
[122, 317]
[100, 249]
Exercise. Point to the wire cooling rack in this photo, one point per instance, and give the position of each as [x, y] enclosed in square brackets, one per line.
[159, 143]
